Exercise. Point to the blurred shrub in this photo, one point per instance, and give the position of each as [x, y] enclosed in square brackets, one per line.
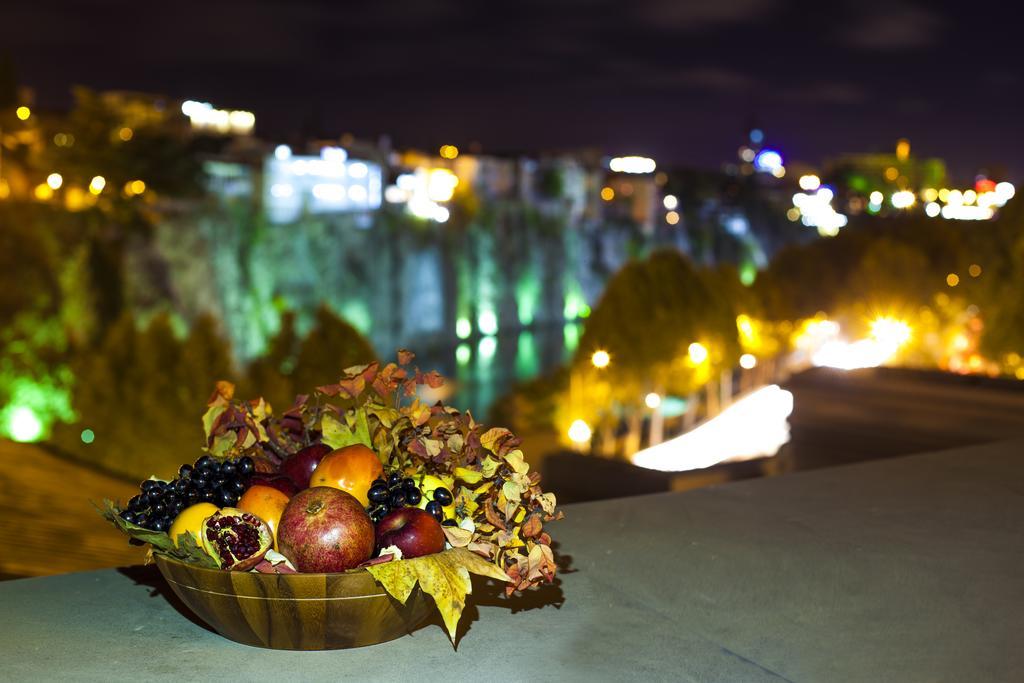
[143, 390]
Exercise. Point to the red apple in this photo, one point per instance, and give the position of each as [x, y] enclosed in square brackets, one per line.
[415, 532]
[324, 529]
[299, 466]
[277, 481]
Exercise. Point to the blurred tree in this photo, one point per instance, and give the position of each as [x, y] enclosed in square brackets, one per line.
[998, 289]
[331, 346]
[142, 392]
[648, 317]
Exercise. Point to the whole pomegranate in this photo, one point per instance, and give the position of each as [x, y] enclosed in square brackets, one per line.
[237, 540]
[324, 529]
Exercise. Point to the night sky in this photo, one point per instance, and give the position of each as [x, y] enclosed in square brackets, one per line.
[678, 80]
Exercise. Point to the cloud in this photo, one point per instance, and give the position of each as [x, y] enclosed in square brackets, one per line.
[889, 27]
[691, 15]
[827, 93]
[719, 79]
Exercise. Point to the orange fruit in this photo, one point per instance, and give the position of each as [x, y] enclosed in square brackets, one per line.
[265, 502]
[190, 521]
[351, 469]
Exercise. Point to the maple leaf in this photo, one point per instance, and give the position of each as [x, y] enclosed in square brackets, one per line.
[443, 576]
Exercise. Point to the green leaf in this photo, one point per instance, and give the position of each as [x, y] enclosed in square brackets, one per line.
[158, 539]
[186, 551]
[337, 434]
[442, 576]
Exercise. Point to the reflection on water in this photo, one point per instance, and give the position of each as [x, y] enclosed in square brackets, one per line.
[481, 370]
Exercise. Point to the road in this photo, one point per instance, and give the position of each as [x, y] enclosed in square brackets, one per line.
[47, 523]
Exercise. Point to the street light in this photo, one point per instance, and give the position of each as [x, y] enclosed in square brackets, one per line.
[579, 432]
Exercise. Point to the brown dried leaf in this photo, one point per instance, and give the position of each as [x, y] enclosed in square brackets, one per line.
[458, 537]
[532, 526]
[492, 516]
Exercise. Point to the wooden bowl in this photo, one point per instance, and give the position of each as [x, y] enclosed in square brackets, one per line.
[295, 611]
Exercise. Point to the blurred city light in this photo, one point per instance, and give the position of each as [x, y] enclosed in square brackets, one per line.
[809, 182]
[751, 427]
[632, 164]
[932, 209]
[449, 151]
[97, 184]
[748, 361]
[887, 336]
[23, 113]
[125, 134]
[579, 432]
[904, 199]
[43, 192]
[816, 211]
[865, 353]
[22, 424]
[671, 202]
[607, 194]
[974, 270]
[768, 161]
[88, 436]
[463, 354]
[903, 149]
[55, 180]
[441, 184]
[697, 352]
[672, 218]
[952, 279]
[487, 322]
[967, 213]
[325, 184]
[487, 347]
[891, 332]
[204, 117]
[1005, 191]
[652, 400]
[601, 358]
[463, 328]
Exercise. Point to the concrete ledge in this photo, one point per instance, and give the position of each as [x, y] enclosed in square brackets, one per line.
[906, 569]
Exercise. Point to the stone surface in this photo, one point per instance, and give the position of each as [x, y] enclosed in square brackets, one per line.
[906, 569]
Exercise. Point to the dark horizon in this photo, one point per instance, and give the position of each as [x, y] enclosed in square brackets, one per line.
[678, 82]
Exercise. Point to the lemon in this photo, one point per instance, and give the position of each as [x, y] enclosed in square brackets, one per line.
[190, 520]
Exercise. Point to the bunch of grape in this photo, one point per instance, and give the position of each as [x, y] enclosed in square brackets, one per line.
[208, 480]
[394, 492]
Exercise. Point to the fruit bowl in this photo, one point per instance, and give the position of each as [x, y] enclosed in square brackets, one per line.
[294, 611]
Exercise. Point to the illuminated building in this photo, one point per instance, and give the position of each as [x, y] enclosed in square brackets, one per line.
[328, 183]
